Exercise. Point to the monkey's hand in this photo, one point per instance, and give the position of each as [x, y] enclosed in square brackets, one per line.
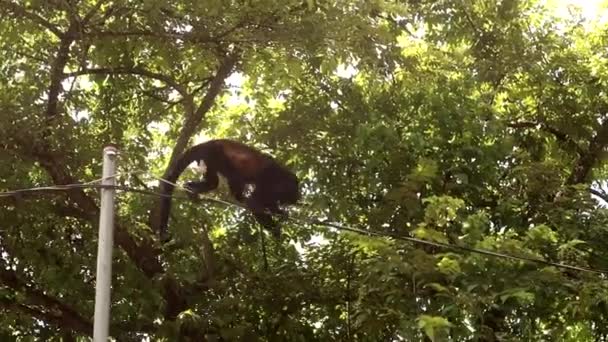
[281, 214]
[192, 191]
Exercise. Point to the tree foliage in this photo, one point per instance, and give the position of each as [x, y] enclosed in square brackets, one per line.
[472, 123]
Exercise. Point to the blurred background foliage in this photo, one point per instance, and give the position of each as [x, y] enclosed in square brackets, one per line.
[476, 123]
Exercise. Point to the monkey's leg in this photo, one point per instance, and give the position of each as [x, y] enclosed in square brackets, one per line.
[268, 223]
[257, 203]
[274, 208]
[237, 187]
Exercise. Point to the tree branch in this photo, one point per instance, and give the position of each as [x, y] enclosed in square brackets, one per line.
[48, 317]
[61, 60]
[587, 160]
[132, 71]
[194, 119]
[144, 256]
[152, 94]
[56, 77]
[92, 11]
[52, 310]
[22, 12]
[471, 23]
[175, 302]
[172, 36]
[560, 136]
[602, 195]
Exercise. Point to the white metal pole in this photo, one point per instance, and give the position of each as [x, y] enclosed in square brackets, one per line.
[104, 248]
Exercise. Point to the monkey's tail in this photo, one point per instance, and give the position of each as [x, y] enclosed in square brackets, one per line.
[166, 186]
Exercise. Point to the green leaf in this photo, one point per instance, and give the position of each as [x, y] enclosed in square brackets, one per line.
[425, 233]
[542, 234]
[449, 266]
[434, 327]
[519, 294]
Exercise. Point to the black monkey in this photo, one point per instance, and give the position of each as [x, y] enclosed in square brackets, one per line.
[240, 165]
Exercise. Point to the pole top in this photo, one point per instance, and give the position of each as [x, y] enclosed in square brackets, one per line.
[110, 150]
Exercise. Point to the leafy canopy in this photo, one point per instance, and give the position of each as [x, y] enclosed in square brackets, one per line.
[475, 123]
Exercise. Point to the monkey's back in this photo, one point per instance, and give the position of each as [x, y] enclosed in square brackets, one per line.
[245, 160]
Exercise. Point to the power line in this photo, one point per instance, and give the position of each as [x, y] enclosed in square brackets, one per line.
[67, 187]
[420, 241]
[455, 247]
[62, 187]
[93, 184]
[204, 198]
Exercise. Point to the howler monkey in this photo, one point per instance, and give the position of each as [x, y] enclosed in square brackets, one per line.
[240, 165]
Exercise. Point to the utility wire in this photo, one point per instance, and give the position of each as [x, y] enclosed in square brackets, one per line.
[90, 185]
[450, 246]
[93, 184]
[205, 198]
[60, 187]
[64, 187]
[418, 241]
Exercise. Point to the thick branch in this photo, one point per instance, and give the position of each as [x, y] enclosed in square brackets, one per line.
[194, 119]
[136, 33]
[560, 136]
[22, 12]
[471, 23]
[50, 309]
[53, 166]
[132, 71]
[208, 256]
[87, 18]
[600, 194]
[194, 37]
[587, 161]
[61, 59]
[176, 302]
[144, 256]
[152, 94]
[56, 76]
[56, 319]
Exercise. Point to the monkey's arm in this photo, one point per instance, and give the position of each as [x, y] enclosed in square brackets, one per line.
[210, 182]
